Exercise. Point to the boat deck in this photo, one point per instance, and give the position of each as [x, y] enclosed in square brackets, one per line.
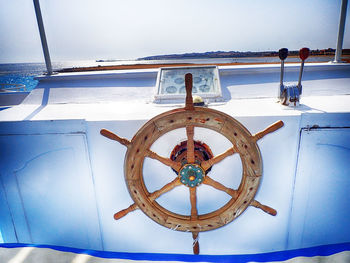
[61, 181]
[106, 95]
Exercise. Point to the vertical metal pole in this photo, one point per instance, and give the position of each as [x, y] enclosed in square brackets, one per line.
[282, 71]
[43, 37]
[338, 51]
[301, 74]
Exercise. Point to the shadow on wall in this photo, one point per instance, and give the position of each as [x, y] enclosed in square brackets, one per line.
[42, 106]
[144, 81]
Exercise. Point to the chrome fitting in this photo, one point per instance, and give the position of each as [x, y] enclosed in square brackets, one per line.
[290, 95]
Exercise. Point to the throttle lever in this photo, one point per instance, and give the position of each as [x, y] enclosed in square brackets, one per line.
[283, 54]
[303, 54]
[290, 94]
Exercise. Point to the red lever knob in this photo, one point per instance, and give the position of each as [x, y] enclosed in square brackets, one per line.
[304, 53]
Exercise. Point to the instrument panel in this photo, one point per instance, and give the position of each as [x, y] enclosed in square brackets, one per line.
[171, 81]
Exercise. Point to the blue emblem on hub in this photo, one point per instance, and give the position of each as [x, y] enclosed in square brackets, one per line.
[191, 175]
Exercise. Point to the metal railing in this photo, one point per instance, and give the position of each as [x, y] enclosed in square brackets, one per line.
[8, 87]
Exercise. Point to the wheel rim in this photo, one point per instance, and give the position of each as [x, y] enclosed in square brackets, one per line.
[236, 133]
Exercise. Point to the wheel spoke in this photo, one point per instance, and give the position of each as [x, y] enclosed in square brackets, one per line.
[273, 127]
[167, 161]
[194, 216]
[265, 208]
[219, 186]
[193, 200]
[218, 158]
[164, 189]
[125, 211]
[152, 197]
[195, 243]
[190, 143]
[189, 99]
[110, 135]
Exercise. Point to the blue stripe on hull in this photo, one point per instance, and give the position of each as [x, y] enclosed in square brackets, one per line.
[325, 250]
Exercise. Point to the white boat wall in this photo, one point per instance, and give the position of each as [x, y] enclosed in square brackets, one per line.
[62, 182]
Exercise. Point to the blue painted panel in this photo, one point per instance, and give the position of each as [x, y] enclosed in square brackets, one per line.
[6, 223]
[50, 192]
[320, 212]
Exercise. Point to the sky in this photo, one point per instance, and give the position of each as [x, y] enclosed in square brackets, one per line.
[120, 29]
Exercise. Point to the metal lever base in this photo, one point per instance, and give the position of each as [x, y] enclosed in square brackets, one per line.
[290, 95]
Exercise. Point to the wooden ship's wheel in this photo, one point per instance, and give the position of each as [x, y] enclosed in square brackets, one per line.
[192, 160]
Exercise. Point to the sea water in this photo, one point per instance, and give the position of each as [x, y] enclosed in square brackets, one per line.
[25, 73]
[21, 73]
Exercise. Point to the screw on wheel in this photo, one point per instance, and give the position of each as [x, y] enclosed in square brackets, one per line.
[193, 172]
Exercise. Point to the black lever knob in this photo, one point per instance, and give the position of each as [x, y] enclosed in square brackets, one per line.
[283, 53]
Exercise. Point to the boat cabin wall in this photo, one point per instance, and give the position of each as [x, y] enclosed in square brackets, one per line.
[61, 182]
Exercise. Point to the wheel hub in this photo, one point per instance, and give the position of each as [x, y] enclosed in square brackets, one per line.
[202, 153]
[191, 175]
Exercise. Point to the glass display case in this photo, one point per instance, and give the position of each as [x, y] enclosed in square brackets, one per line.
[171, 83]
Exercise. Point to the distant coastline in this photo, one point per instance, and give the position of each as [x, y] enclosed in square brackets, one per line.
[238, 54]
[231, 55]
